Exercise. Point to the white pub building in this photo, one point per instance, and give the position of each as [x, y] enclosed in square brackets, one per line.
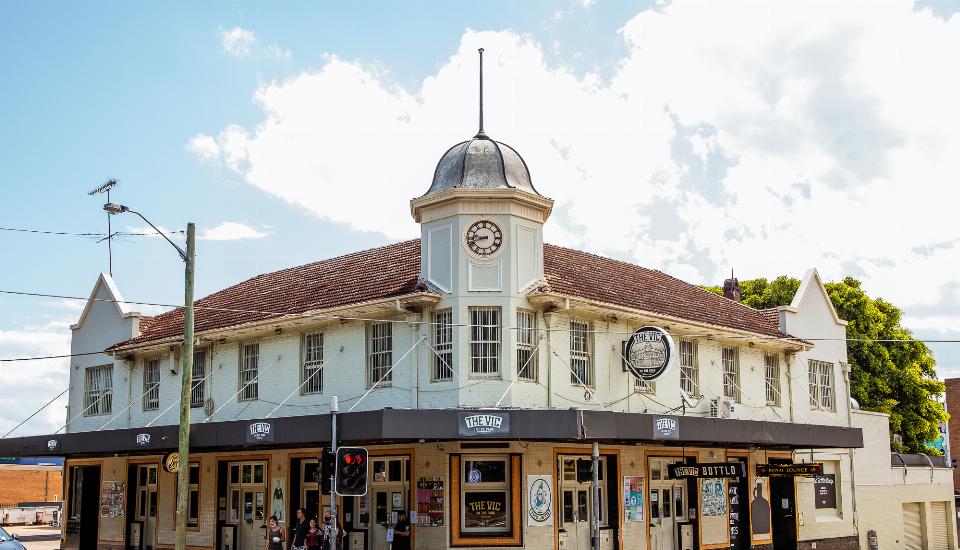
[479, 366]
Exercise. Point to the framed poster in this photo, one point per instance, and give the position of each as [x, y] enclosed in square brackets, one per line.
[760, 509]
[713, 498]
[429, 510]
[539, 500]
[633, 498]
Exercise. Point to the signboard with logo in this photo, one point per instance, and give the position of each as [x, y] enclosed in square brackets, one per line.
[789, 470]
[705, 470]
[143, 440]
[171, 462]
[485, 509]
[260, 431]
[540, 500]
[648, 353]
[484, 424]
[666, 427]
[825, 491]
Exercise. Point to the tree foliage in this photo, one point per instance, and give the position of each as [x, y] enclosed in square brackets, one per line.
[897, 378]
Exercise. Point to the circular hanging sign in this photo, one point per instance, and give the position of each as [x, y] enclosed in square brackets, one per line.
[648, 352]
[171, 462]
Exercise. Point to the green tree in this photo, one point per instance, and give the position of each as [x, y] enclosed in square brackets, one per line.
[897, 378]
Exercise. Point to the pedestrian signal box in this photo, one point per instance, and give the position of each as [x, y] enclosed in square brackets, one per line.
[351, 476]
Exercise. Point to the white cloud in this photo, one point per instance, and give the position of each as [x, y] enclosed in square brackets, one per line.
[238, 42]
[203, 146]
[278, 52]
[231, 231]
[767, 137]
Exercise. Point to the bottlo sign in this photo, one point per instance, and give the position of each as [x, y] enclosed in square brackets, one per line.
[789, 470]
[717, 469]
[648, 352]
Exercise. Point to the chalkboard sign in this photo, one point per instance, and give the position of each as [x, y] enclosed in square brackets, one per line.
[825, 491]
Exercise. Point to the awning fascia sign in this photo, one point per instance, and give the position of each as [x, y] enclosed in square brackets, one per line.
[790, 470]
[706, 470]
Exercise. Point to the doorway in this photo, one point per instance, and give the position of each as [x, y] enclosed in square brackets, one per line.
[389, 488]
[668, 505]
[145, 505]
[576, 501]
[83, 507]
[739, 510]
[246, 503]
[783, 510]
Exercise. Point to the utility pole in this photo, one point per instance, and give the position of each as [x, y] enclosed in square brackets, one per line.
[186, 383]
[595, 489]
[334, 409]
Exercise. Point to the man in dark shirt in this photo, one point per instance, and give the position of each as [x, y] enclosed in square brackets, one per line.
[401, 533]
[298, 538]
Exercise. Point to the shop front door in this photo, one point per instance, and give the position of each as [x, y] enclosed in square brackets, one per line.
[146, 505]
[246, 493]
[783, 511]
[386, 498]
[387, 504]
[668, 506]
[576, 502]
[83, 507]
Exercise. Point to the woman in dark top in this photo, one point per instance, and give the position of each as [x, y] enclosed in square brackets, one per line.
[314, 536]
[275, 535]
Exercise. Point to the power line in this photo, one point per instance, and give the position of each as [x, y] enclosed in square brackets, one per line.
[88, 235]
[15, 359]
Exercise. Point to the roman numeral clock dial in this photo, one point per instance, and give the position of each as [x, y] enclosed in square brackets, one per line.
[483, 238]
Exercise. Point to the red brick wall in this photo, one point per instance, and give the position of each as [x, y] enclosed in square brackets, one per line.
[30, 484]
[953, 427]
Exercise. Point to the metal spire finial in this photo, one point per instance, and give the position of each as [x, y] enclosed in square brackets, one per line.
[480, 133]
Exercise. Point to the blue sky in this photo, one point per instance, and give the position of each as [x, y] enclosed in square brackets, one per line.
[722, 126]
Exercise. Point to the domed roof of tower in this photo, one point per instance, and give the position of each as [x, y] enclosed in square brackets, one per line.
[481, 163]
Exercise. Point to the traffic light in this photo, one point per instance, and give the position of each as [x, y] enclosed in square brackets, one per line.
[351, 478]
[328, 463]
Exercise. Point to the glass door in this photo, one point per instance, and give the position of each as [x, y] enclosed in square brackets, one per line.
[246, 494]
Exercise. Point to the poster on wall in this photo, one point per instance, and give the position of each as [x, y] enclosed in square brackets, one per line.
[760, 509]
[632, 498]
[825, 491]
[277, 502]
[539, 500]
[713, 498]
[429, 511]
[111, 499]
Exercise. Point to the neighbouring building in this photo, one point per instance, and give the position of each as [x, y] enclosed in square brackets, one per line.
[28, 480]
[479, 366]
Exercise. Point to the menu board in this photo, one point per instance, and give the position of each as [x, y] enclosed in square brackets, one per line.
[430, 501]
[825, 491]
[485, 509]
[111, 499]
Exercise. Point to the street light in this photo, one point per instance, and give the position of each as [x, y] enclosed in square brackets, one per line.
[183, 472]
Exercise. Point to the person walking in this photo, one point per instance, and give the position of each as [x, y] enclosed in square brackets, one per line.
[276, 535]
[401, 533]
[298, 540]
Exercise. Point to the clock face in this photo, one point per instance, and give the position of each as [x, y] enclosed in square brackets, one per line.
[484, 238]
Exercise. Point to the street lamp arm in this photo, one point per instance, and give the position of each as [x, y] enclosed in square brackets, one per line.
[183, 253]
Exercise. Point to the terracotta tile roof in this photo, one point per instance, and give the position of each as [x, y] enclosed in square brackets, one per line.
[393, 270]
[772, 314]
[585, 275]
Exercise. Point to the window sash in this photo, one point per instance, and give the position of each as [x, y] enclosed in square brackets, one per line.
[581, 354]
[485, 332]
[731, 373]
[311, 367]
[249, 368]
[771, 363]
[443, 344]
[379, 353]
[503, 487]
[151, 384]
[821, 385]
[527, 368]
[689, 370]
[98, 397]
[198, 374]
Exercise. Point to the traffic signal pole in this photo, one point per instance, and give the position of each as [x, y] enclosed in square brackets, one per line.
[334, 409]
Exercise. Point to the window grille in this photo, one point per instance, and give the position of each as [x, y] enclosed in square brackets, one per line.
[443, 344]
[643, 386]
[771, 362]
[689, 371]
[526, 345]
[311, 368]
[198, 386]
[98, 394]
[821, 385]
[249, 368]
[731, 373]
[581, 356]
[379, 353]
[485, 340]
[151, 384]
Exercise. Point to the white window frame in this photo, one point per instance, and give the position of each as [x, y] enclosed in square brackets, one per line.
[730, 360]
[379, 353]
[485, 341]
[442, 335]
[198, 375]
[689, 366]
[821, 379]
[248, 371]
[527, 360]
[98, 390]
[151, 384]
[505, 487]
[581, 353]
[311, 363]
[771, 377]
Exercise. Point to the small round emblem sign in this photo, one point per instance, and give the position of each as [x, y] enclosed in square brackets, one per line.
[171, 462]
[649, 352]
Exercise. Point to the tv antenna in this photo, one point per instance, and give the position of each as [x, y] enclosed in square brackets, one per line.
[105, 188]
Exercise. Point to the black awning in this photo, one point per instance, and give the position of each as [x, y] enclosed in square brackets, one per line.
[399, 425]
